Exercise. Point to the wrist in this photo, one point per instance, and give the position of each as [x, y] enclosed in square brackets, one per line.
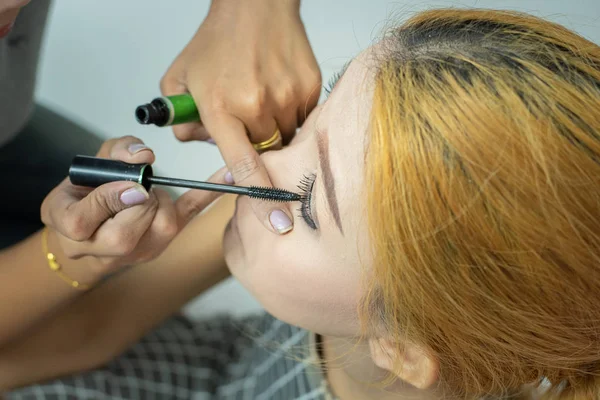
[271, 6]
[83, 270]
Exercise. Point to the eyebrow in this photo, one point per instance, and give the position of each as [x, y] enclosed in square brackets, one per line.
[328, 180]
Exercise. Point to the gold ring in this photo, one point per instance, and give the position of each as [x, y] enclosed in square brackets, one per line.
[267, 144]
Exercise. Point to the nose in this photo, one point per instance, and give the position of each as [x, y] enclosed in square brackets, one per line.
[280, 169]
[269, 159]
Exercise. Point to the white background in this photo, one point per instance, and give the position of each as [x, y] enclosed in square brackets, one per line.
[102, 58]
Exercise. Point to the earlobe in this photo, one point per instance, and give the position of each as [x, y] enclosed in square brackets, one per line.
[412, 364]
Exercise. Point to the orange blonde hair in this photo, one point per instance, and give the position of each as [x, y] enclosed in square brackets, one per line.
[484, 201]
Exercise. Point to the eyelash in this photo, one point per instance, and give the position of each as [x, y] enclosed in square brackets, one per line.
[335, 78]
[306, 185]
[331, 83]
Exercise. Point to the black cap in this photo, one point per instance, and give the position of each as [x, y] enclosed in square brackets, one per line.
[157, 113]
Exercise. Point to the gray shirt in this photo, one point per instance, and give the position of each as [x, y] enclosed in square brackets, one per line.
[19, 54]
[255, 358]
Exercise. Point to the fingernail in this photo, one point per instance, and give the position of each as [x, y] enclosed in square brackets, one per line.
[229, 178]
[280, 221]
[134, 196]
[137, 147]
[211, 141]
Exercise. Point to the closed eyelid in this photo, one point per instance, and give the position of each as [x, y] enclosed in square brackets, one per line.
[313, 200]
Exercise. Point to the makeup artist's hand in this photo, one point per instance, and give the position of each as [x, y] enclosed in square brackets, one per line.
[119, 223]
[251, 70]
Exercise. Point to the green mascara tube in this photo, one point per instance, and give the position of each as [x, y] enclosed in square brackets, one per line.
[168, 110]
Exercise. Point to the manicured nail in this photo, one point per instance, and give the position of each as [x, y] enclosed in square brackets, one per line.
[211, 141]
[229, 178]
[134, 196]
[137, 147]
[280, 222]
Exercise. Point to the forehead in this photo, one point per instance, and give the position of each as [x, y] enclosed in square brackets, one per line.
[345, 115]
[345, 119]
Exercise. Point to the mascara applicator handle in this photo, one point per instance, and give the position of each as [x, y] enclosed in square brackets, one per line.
[94, 172]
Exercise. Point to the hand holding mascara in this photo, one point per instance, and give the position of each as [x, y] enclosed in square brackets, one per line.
[93, 172]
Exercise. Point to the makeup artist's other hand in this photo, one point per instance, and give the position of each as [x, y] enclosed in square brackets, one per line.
[119, 223]
[251, 70]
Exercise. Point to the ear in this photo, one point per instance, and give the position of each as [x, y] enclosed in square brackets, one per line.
[413, 365]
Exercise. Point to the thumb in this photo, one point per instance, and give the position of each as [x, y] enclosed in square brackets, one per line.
[82, 218]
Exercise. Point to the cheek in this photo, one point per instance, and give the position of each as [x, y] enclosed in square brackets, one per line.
[311, 289]
[276, 270]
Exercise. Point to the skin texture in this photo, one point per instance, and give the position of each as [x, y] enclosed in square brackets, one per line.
[251, 71]
[96, 233]
[313, 278]
[319, 289]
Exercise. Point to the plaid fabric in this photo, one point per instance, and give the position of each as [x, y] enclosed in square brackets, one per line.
[256, 358]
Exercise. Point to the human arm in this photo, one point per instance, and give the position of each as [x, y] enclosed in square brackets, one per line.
[92, 233]
[251, 70]
[30, 290]
[104, 322]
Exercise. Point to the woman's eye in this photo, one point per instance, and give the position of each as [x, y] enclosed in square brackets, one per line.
[306, 186]
[331, 83]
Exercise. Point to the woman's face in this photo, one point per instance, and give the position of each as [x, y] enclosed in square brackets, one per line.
[8, 14]
[311, 277]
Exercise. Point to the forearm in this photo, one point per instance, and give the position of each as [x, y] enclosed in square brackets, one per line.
[30, 290]
[97, 327]
[251, 13]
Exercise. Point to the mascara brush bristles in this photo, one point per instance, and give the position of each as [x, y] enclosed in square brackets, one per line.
[272, 194]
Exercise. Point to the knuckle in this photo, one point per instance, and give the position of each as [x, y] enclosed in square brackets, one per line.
[108, 204]
[245, 167]
[167, 227]
[288, 93]
[189, 207]
[168, 81]
[127, 247]
[106, 147]
[316, 77]
[113, 241]
[129, 139]
[154, 252]
[164, 84]
[184, 134]
[312, 85]
[121, 242]
[218, 101]
[75, 227]
[256, 101]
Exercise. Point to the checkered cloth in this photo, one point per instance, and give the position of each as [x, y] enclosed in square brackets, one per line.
[255, 358]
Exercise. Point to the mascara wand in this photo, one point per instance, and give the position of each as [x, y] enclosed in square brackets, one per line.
[93, 172]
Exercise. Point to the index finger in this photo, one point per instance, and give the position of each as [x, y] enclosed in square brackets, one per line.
[247, 168]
